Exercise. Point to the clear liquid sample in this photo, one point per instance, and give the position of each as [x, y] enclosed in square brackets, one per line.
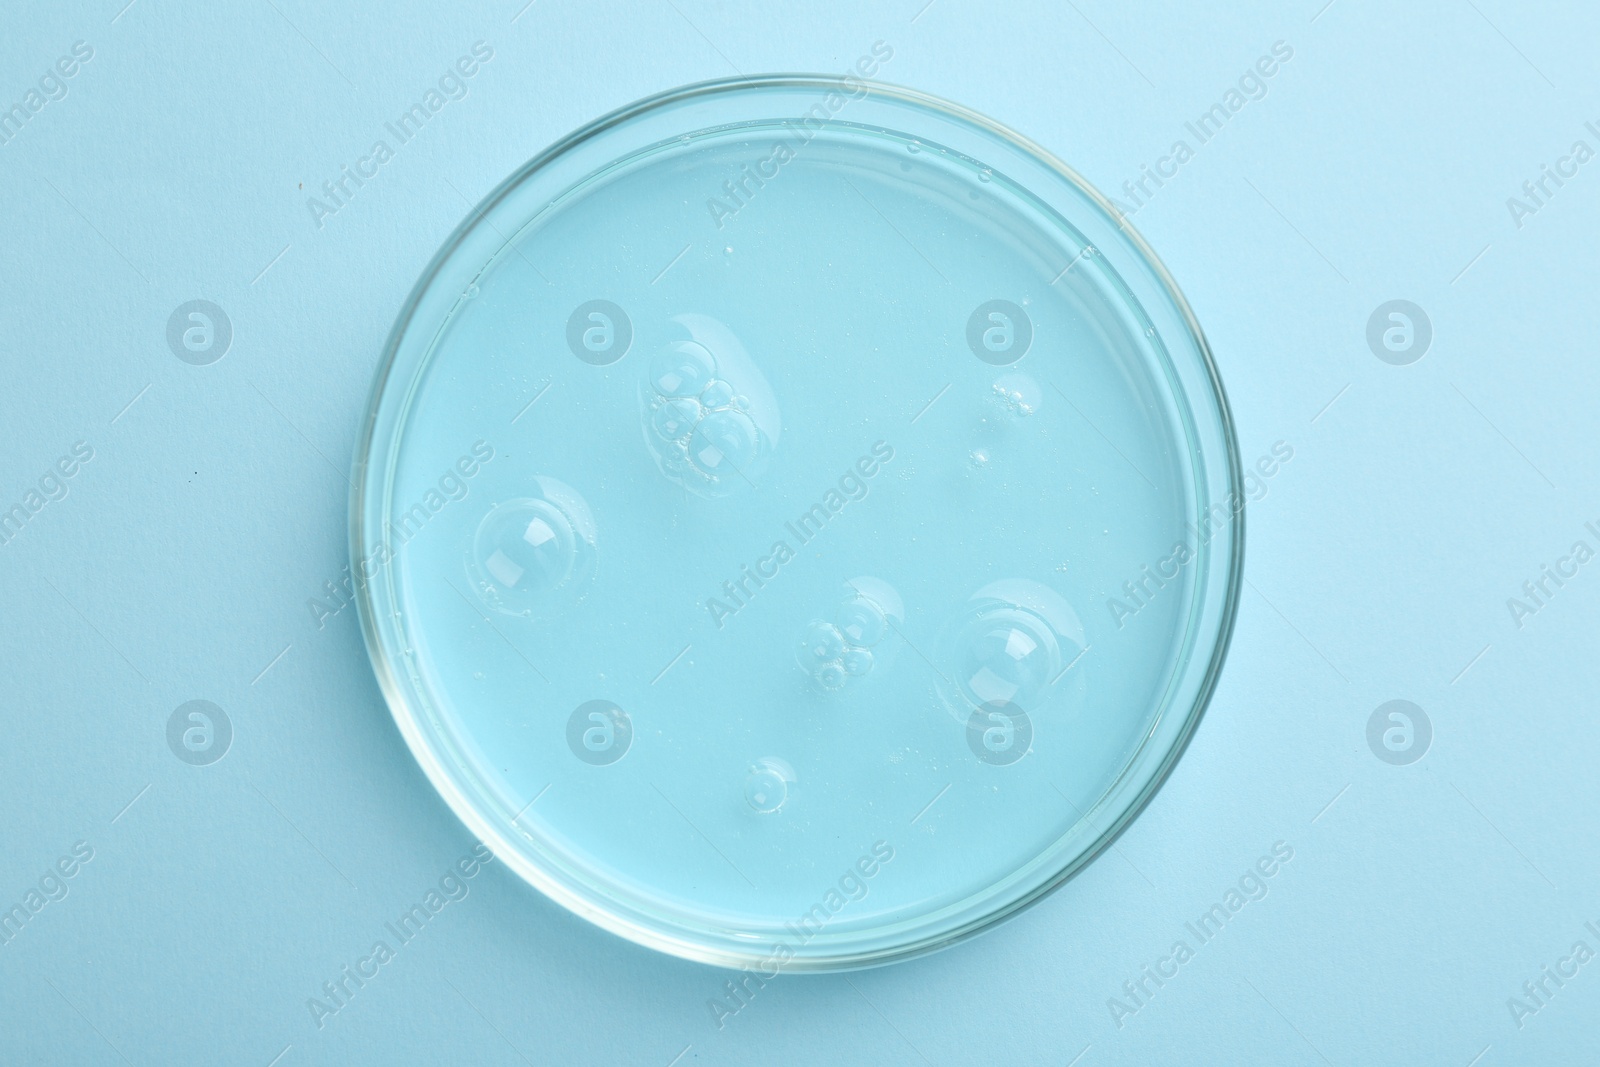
[782, 503]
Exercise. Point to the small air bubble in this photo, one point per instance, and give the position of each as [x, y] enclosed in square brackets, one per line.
[822, 644]
[766, 787]
[718, 394]
[857, 662]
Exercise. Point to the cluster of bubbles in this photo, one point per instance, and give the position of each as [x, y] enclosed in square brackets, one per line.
[835, 652]
[710, 416]
[1019, 393]
[1007, 645]
[698, 417]
[535, 554]
[1013, 397]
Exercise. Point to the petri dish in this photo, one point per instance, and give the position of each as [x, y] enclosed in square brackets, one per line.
[797, 523]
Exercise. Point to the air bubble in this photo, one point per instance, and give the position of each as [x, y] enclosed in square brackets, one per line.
[674, 419]
[718, 394]
[723, 444]
[880, 596]
[1008, 644]
[766, 787]
[1008, 656]
[534, 554]
[831, 676]
[682, 369]
[856, 662]
[862, 621]
[822, 644]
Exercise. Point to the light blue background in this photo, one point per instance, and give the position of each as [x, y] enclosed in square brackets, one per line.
[1379, 563]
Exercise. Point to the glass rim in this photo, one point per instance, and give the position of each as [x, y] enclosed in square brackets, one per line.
[729, 953]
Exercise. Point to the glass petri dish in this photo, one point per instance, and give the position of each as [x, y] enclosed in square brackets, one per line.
[797, 524]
